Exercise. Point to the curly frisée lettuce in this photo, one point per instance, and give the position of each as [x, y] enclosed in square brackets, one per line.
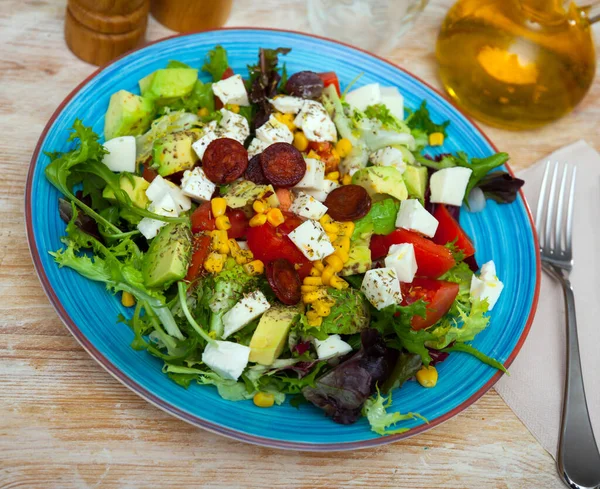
[375, 410]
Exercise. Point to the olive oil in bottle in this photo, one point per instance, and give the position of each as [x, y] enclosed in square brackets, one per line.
[516, 64]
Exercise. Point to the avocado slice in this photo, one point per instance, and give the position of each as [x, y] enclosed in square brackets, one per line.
[415, 178]
[174, 153]
[169, 83]
[359, 258]
[167, 259]
[127, 115]
[349, 314]
[270, 335]
[380, 181]
[134, 186]
[245, 192]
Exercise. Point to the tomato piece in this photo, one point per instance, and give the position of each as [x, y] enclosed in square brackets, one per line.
[239, 223]
[269, 243]
[433, 259]
[330, 78]
[438, 294]
[325, 152]
[200, 250]
[202, 218]
[449, 230]
[226, 74]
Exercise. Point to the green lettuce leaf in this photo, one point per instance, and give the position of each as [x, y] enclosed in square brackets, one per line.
[216, 62]
[381, 219]
[381, 113]
[375, 410]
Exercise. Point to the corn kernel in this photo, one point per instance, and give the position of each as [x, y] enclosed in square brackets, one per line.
[436, 139]
[313, 154]
[314, 319]
[332, 227]
[311, 297]
[233, 108]
[315, 272]
[255, 267]
[346, 180]
[214, 262]
[287, 119]
[326, 219]
[321, 308]
[234, 247]
[264, 399]
[275, 217]
[342, 243]
[332, 236]
[203, 112]
[260, 206]
[127, 299]
[342, 255]
[347, 228]
[343, 147]
[258, 220]
[327, 274]
[308, 288]
[319, 265]
[335, 262]
[219, 240]
[335, 157]
[427, 376]
[222, 223]
[218, 206]
[334, 176]
[338, 283]
[312, 281]
[244, 256]
[300, 141]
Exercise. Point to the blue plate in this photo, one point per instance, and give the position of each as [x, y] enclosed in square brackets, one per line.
[502, 232]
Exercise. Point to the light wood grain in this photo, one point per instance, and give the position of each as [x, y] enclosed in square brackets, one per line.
[65, 423]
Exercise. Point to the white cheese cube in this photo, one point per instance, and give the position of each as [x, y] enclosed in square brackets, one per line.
[401, 257]
[160, 187]
[314, 176]
[166, 206]
[364, 96]
[322, 193]
[248, 309]
[389, 157]
[414, 217]
[394, 101]
[256, 146]
[333, 346]
[231, 91]
[287, 104]
[307, 206]
[243, 245]
[196, 185]
[226, 358]
[182, 200]
[121, 154]
[487, 285]
[381, 287]
[200, 146]
[448, 186]
[235, 126]
[314, 120]
[311, 239]
[274, 131]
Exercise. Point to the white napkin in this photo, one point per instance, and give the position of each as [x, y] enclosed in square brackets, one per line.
[534, 390]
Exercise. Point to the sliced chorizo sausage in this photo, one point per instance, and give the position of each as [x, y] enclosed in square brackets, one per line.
[283, 165]
[348, 203]
[254, 171]
[224, 160]
[284, 280]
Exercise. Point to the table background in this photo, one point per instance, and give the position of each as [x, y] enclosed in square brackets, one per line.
[65, 423]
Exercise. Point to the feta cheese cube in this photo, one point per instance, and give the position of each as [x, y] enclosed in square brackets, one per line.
[401, 257]
[389, 157]
[200, 146]
[314, 176]
[362, 97]
[196, 185]
[314, 120]
[121, 154]
[166, 206]
[243, 245]
[333, 346]
[487, 285]
[322, 193]
[414, 217]
[231, 91]
[160, 187]
[307, 206]
[226, 358]
[381, 287]
[311, 239]
[235, 126]
[448, 186]
[248, 309]
[274, 131]
[256, 146]
[394, 101]
[287, 104]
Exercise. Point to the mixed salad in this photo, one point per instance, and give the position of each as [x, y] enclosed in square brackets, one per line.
[273, 236]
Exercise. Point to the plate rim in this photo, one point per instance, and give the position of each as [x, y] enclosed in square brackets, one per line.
[199, 422]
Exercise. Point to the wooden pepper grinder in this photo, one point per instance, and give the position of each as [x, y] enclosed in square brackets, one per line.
[191, 15]
[98, 31]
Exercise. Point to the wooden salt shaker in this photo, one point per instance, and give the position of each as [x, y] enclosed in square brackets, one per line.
[190, 15]
[98, 31]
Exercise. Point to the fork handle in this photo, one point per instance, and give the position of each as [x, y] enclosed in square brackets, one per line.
[578, 456]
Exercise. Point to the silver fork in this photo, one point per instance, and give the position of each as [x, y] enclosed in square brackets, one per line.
[578, 457]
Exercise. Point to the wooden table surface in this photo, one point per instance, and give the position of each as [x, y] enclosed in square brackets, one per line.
[65, 423]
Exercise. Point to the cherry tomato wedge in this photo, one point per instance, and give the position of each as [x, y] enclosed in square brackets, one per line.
[449, 230]
[203, 220]
[330, 78]
[433, 259]
[284, 280]
[239, 223]
[227, 73]
[438, 294]
[269, 243]
[200, 250]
